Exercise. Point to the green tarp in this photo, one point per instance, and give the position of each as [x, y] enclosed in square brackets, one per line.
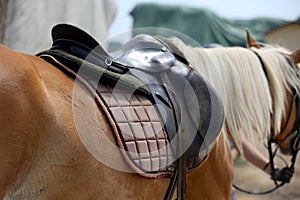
[202, 25]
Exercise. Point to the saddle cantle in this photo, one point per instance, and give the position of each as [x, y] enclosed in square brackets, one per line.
[146, 79]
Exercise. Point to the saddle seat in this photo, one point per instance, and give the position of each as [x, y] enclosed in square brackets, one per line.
[187, 114]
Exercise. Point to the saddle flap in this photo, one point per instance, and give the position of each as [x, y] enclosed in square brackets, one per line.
[210, 111]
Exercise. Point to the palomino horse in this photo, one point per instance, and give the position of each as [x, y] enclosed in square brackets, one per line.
[286, 135]
[42, 154]
[260, 88]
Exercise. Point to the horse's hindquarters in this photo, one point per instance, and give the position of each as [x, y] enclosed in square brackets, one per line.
[24, 114]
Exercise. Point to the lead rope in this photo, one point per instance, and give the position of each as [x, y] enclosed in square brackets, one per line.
[271, 163]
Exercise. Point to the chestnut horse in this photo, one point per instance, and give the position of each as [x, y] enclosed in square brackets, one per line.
[43, 157]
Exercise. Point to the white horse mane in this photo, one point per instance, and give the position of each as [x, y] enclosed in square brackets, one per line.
[282, 78]
[249, 97]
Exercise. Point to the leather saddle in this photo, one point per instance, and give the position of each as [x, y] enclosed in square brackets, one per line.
[188, 105]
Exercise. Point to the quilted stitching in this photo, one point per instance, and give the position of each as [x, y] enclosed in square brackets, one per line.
[142, 132]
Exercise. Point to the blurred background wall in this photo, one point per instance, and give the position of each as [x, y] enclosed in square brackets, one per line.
[26, 24]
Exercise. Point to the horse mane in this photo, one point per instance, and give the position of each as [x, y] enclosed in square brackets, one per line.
[282, 78]
[250, 98]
